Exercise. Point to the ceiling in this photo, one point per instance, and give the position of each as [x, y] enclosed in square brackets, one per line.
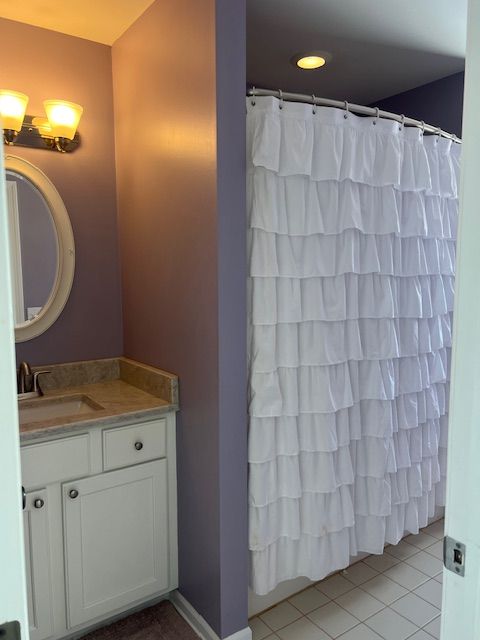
[98, 20]
[379, 47]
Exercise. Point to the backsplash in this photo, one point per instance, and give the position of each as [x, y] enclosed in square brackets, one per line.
[154, 381]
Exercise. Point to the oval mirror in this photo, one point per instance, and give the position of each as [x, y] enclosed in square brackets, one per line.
[42, 249]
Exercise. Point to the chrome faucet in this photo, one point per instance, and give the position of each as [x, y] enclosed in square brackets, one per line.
[24, 378]
[28, 385]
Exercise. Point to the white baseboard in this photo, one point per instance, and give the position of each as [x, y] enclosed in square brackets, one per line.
[199, 624]
[243, 634]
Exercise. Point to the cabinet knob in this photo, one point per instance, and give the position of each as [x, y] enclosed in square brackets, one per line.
[38, 503]
[73, 493]
[138, 446]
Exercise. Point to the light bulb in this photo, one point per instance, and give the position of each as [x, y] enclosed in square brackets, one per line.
[63, 117]
[311, 62]
[12, 109]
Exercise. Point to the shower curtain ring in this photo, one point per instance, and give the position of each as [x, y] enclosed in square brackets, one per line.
[280, 95]
[345, 115]
[254, 93]
[438, 134]
[402, 122]
[377, 115]
[314, 109]
[423, 127]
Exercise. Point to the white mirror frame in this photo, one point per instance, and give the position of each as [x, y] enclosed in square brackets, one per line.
[66, 250]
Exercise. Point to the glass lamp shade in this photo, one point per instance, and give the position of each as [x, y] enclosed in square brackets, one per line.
[63, 117]
[12, 109]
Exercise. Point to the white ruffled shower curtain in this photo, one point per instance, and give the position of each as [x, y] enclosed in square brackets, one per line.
[352, 225]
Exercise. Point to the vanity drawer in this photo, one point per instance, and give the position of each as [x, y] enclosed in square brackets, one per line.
[136, 443]
[55, 461]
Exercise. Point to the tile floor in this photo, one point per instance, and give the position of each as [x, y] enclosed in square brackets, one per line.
[396, 596]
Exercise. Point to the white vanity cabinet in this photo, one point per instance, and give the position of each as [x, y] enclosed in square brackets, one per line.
[38, 562]
[100, 524]
[116, 539]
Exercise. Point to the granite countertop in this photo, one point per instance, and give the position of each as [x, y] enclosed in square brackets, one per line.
[122, 391]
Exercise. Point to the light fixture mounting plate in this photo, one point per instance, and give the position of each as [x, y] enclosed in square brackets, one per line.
[31, 136]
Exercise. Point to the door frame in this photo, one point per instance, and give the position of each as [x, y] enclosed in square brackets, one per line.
[461, 595]
[13, 596]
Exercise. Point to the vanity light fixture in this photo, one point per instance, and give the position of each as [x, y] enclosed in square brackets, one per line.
[63, 118]
[13, 106]
[311, 60]
[58, 131]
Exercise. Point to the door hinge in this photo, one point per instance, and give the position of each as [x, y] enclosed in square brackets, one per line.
[10, 631]
[454, 555]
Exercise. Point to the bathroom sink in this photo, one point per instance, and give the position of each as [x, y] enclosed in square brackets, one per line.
[61, 407]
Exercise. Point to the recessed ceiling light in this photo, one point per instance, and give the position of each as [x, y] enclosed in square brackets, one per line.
[311, 60]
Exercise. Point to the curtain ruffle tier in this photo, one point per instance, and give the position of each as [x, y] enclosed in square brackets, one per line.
[352, 227]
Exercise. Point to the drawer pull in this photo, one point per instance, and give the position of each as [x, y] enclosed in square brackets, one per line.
[38, 503]
[73, 493]
[125, 446]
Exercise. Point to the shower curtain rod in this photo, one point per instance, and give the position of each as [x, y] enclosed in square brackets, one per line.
[357, 108]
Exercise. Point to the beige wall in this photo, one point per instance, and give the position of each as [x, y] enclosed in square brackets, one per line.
[45, 64]
[164, 83]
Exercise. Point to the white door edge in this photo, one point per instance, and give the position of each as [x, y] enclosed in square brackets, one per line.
[461, 595]
[13, 596]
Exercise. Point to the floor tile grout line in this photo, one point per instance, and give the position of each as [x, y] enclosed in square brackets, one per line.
[418, 628]
[429, 636]
[424, 599]
[395, 600]
[401, 615]
[302, 615]
[365, 621]
[371, 568]
[387, 606]
[360, 587]
[427, 623]
[305, 615]
[336, 574]
[338, 605]
[405, 562]
[332, 600]
[258, 615]
[384, 606]
[420, 551]
[353, 629]
[352, 614]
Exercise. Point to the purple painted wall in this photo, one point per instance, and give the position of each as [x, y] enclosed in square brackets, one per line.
[438, 103]
[180, 70]
[45, 64]
[232, 310]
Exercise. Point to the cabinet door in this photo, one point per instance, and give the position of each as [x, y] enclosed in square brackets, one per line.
[116, 538]
[37, 557]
